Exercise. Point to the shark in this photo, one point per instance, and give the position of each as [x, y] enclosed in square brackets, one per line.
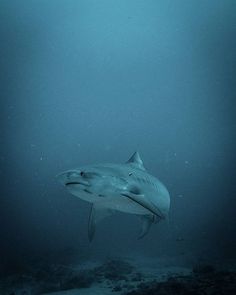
[112, 188]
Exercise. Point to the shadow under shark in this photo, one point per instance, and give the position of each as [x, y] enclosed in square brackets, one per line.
[125, 187]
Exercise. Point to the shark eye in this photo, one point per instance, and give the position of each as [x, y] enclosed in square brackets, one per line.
[130, 173]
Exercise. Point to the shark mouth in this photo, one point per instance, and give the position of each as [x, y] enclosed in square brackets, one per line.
[76, 182]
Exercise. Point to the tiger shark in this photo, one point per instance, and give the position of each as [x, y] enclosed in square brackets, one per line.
[127, 188]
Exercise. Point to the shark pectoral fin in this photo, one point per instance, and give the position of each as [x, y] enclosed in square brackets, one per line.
[147, 221]
[97, 213]
[144, 202]
[91, 224]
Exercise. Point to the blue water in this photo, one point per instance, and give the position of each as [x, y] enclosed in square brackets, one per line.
[85, 82]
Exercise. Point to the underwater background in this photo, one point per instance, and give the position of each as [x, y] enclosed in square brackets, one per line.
[85, 82]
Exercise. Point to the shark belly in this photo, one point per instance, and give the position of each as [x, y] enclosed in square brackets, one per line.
[125, 205]
[83, 194]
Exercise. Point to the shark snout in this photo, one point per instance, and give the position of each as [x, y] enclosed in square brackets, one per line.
[67, 176]
[72, 177]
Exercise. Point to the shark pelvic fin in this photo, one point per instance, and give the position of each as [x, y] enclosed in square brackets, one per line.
[147, 221]
[98, 212]
[136, 161]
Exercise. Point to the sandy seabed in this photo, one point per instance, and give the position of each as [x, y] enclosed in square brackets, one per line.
[122, 276]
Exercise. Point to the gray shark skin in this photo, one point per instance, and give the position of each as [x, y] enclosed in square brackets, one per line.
[125, 188]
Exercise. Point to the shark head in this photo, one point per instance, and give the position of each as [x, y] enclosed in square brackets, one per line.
[92, 183]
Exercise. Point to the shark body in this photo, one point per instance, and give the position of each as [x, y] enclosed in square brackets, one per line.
[127, 188]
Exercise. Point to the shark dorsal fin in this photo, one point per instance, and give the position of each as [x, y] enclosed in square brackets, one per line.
[136, 161]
